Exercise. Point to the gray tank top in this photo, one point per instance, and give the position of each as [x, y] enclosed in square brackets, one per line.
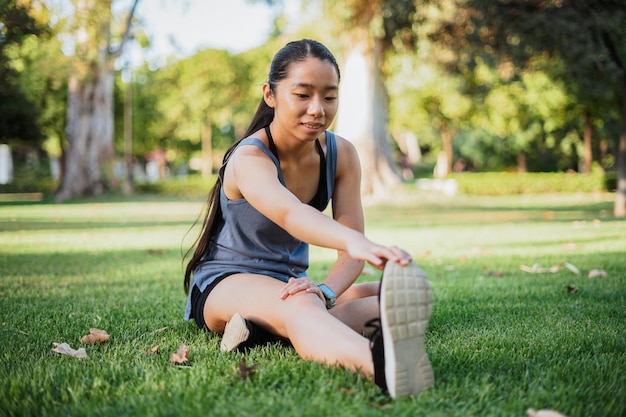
[248, 242]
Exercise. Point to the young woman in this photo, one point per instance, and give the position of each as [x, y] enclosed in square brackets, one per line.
[247, 276]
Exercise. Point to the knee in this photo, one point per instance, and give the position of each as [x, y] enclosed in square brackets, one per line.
[304, 301]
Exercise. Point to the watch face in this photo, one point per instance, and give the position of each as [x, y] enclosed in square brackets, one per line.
[328, 293]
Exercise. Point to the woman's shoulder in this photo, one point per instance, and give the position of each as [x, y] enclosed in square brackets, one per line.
[342, 143]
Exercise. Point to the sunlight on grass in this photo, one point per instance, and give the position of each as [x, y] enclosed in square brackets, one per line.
[501, 340]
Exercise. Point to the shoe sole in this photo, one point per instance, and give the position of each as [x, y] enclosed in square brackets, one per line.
[235, 333]
[406, 303]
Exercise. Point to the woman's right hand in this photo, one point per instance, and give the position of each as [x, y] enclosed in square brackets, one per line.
[377, 255]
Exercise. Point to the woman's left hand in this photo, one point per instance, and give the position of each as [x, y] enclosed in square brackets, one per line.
[296, 285]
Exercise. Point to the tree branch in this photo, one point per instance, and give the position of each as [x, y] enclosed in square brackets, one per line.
[117, 51]
[610, 45]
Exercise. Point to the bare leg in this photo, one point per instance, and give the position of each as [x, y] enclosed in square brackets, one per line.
[302, 318]
[362, 290]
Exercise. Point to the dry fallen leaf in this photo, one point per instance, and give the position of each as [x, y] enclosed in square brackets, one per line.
[95, 336]
[595, 273]
[538, 269]
[571, 288]
[181, 355]
[543, 413]
[154, 349]
[572, 268]
[243, 371]
[65, 349]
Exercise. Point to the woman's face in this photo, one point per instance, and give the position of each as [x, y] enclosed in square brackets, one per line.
[305, 103]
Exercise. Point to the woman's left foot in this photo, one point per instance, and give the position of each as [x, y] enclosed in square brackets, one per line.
[401, 365]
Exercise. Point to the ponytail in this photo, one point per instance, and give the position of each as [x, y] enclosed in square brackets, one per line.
[283, 60]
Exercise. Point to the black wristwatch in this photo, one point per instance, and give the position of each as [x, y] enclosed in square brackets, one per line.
[329, 295]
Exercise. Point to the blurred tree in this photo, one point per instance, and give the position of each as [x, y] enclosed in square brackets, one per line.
[368, 30]
[44, 71]
[374, 30]
[19, 117]
[198, 94]
[586, 35]
[89, 151]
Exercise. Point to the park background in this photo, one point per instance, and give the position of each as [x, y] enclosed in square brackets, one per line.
[95, 101]
[493, 145]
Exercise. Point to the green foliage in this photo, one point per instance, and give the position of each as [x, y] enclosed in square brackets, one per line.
[500, 340]
[505, 183]
[30, 175]
[191, 186]
[18, 116]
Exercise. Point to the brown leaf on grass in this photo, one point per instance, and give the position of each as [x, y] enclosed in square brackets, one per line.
[181, 355]
[154, 349]
[572, 268]
[162, 329]
[538, 269]
[65, 349]
[543, 413]
[155, 251]
[572, 289]
[95, 336]
[495, 274]
[595, 273]
[244, 371]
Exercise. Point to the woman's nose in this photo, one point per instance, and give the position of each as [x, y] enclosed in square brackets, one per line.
[316, 108]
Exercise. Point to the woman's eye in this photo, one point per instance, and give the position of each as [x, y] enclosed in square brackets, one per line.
[302, 95]
[331, 98]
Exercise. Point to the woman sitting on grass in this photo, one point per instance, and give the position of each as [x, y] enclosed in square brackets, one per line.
[247, 276]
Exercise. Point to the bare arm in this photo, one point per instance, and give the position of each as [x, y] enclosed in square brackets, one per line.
[250, 174]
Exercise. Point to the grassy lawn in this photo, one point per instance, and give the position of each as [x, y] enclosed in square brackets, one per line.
[501, 340]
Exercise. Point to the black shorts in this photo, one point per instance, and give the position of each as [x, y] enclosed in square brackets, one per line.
[198, 299]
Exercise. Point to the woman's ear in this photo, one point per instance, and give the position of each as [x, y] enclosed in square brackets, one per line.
[268, 95]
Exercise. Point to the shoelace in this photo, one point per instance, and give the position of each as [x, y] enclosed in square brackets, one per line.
[375, 325]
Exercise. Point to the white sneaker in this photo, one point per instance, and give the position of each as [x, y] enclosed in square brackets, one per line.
[235, 333]
[406, 303]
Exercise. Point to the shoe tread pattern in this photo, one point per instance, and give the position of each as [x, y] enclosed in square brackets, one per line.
[407, 302]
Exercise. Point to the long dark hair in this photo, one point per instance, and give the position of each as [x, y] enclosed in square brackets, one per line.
[290, 54]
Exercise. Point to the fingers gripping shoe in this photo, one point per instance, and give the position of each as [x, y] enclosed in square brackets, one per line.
[401, 365]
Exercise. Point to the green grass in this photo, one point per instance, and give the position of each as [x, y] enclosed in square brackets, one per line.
[500, 340]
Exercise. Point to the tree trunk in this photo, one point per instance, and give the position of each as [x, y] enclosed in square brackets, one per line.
[620, 195]
[522, 163]
[207, 149]
[362, 118]
[588, 155]
[446, 138]
[87, 159]
[89, 135]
